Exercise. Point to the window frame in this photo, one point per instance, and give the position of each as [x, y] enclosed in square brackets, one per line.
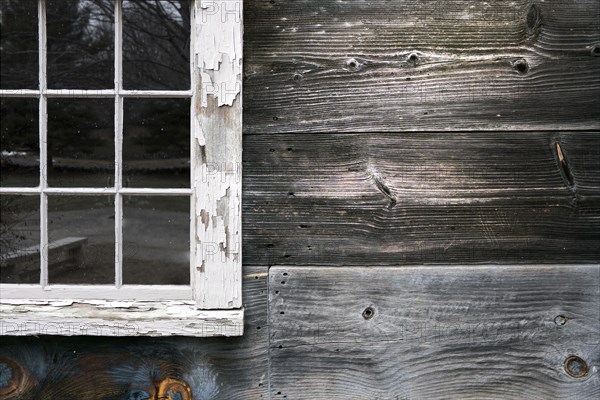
[212, 304]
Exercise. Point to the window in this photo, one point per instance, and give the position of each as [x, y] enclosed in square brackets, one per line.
[120, 184]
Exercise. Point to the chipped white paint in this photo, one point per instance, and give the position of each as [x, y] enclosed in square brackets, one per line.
[217, 153]
[218, 54]
[117, 318]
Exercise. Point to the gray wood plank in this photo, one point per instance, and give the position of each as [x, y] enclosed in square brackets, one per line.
[356, 199]
[104, 368]
[487, 332]
[314, 66]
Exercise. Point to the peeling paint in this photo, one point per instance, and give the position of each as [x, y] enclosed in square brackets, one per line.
[219, 58]
[217, 129]
[117, 318]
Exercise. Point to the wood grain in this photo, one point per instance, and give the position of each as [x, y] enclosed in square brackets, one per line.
[434, 332]
[315, 66]
[95, 368]
[384, 199]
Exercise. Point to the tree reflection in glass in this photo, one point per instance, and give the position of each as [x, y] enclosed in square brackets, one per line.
[19, 44]
[156, 44]
[80, 44]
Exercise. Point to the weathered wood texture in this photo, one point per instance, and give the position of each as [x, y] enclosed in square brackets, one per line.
[314, 66]
[131, 368]
[434, 332]
[369, 199]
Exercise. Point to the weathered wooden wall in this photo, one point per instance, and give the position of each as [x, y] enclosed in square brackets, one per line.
[381, 134]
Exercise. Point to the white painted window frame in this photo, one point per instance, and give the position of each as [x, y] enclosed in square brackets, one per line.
[212, 304]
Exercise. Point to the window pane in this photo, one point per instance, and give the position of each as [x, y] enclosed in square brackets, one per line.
[80, 44]
[81, 149]
[19, 239]
[156, 44]
[81, 239]
[19, 142]
[156, 143]
[19, 44]
[156, 240]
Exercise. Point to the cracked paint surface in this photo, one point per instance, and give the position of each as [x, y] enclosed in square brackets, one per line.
[217, 131]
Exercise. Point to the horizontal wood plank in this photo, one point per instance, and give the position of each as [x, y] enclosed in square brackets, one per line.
[501, 332]
[381, 199]
[314, 66]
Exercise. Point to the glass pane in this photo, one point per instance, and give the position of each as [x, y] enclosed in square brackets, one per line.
[156, 44]
[19, 142]
[80, 44]
[81, 239]
[19, 44]
[19, 239]
[156, 143]
[81, 149]
[156, 240]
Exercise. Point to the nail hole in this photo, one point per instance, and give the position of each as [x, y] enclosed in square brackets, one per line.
[595, 50]
[413, 58]
[576, 367]
[560, 320]
[280, 346]
[277, 292]
[275, 119]
[353, 64]
[289, 149]
[290, 193]
[282, 312]
[298, 77]
[285, 274]
[283, 282]
[272, 150]
[521, 66]
[368, 313]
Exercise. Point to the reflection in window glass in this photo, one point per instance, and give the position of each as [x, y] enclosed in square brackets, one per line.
[81, 143]
[156, 143]
[156, 44]
[81, 239]
[19, 44]
[80, 44]
[19, 142]
[156, 240]
[19, 239]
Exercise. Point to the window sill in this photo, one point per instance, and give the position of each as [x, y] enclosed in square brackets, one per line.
[116, 318]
